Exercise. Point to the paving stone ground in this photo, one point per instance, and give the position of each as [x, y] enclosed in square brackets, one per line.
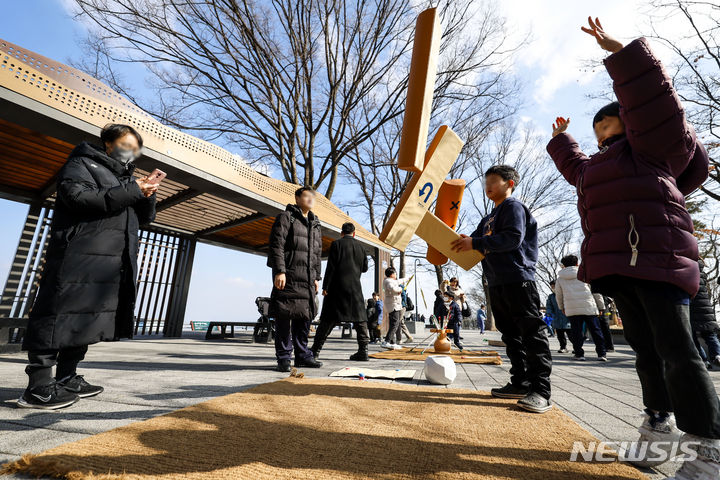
[151, 376]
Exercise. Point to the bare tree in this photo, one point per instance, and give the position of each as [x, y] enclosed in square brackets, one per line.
[553, 244]
[282, 80]
[695, 74]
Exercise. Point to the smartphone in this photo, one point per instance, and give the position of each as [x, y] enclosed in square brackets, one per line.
[156, 176]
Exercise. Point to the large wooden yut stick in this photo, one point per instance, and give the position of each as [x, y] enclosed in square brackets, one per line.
[422, 189]
[430, 168]
[421, 86]
[447, 209]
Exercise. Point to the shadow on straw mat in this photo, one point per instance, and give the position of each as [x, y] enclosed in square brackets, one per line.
[238, 440]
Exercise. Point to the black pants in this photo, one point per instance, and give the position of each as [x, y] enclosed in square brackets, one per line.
[656, 324]
[606, 333]
[292, 327]
[562, 334]
[517, 315]
[373, 330]
[455, 335]
[394, 319]
[41, 362]
[577, 337]
[363, 335]
[325, 328]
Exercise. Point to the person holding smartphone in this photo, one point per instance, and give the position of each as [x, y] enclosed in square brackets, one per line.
[87, 289]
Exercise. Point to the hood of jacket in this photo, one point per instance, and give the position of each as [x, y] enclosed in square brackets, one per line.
[97, 154]
[568, 273]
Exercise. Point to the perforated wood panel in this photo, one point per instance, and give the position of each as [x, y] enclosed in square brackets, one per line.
[74, 93]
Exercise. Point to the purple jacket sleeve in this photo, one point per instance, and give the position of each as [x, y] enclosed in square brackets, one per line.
[649, 106]
[568, 158]
[696, 172]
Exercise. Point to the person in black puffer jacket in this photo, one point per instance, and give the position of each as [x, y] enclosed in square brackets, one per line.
[440, 310]
[295, 260]
[703, 322]
[87, 288]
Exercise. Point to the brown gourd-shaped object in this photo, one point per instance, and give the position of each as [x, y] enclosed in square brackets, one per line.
[442, 342]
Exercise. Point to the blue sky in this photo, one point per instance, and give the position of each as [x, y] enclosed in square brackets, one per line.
[225, 283]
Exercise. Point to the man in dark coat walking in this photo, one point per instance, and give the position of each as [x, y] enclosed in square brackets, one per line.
[343, 293]
[87, 289]
[295, 260]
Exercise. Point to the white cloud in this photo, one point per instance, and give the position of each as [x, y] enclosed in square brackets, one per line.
[558, 51]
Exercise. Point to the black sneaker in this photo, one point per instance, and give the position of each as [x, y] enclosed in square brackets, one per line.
[49, 397]
[510, 391]
[309, 362]
[76, 384]
[283, 366]
[534, 402]
[315, 353]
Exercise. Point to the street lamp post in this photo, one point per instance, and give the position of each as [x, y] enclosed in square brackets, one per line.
[417, 305]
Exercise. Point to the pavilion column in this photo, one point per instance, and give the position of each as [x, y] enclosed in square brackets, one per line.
[182, 273]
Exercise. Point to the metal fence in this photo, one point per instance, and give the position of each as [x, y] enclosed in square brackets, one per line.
[164, 267]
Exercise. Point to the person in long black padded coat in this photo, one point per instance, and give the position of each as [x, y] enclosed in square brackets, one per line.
[294, 256]
[87, 289]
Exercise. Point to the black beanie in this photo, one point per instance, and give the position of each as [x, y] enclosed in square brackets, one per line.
[609, 110]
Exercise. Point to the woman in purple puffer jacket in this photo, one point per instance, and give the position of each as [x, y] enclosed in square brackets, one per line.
[639, 246]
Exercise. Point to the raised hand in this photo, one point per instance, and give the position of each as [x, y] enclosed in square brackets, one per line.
[560, 125]
[605, 41]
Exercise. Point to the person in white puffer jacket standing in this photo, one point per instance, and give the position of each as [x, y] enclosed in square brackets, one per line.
[579, 304]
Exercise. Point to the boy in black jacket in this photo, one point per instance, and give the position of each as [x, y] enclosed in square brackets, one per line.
[508, 239]
[454, 320]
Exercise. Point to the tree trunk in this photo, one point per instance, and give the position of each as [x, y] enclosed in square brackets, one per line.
[439, 274]
[401, 269]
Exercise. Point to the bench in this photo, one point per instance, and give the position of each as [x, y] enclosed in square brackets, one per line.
[263, 332]
[7, 325]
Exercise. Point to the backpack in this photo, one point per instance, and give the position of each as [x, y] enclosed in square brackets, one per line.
[409, 306]
[466, 312]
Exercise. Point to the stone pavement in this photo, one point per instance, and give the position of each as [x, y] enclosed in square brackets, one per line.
[151, 376]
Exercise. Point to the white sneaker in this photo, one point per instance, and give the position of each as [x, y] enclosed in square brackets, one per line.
[389, 346]
[653, 429]
[706, 465]
[397, 347]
